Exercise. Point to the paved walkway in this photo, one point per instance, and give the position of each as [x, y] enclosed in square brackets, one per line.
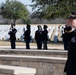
[32, 47]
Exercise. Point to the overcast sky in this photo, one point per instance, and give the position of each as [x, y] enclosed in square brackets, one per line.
[25, 2]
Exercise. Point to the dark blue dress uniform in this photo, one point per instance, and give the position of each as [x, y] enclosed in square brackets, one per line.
[27, 37]
[66, 37]
[38, 37]
[70, 67]
[12, 38]
[45, 37]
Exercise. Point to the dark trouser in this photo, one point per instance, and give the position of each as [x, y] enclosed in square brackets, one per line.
[12, 44]
[27, 44]
[39, 44]
[44, 44]
[65, 45]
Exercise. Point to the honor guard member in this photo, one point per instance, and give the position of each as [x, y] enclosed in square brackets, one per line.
[38, 37]
[67, 36]
[70, 66]
[27, 37]
[45, 37]
[12, 33]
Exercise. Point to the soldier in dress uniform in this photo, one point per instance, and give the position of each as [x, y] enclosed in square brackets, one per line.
[12, 33]
[70, 66]
[45, 37]
[27, 37]
[67, 36]
[38, 37]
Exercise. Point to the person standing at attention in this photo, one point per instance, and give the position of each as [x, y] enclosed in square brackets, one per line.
[27, 37]
[12, 33]
[70, 66]
[38, 37]
[67, 36]
[45, 37]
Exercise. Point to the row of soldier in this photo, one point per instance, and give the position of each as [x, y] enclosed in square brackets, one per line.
[70, 34]
[41, 36]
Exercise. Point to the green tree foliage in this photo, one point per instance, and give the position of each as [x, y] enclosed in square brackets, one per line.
[54, 8]
[13, 9]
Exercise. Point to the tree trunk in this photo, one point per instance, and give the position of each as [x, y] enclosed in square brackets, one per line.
[14, 21]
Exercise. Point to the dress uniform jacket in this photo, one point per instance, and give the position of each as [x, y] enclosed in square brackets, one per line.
[38, 38]
[70, 67]
[27, 38]
[27, 35]
[45, 35]
[12, 38]
[12, 33]
[66, 38]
